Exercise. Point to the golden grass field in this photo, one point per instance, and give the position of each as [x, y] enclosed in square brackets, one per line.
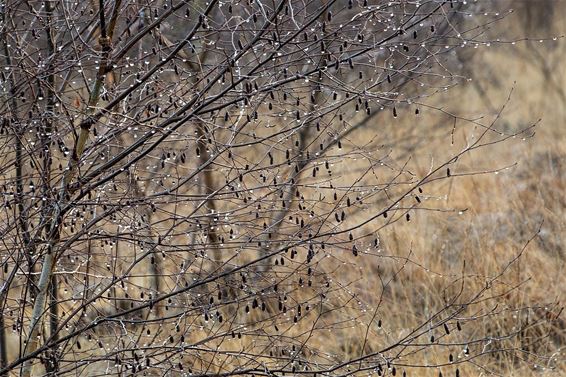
[504, 209]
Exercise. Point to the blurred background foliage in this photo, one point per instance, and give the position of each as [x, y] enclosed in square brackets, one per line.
[504, 209]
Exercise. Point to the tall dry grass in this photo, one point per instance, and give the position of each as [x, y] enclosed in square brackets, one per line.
[483, 221]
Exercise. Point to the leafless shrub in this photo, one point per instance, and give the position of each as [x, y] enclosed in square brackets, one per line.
[183, 192]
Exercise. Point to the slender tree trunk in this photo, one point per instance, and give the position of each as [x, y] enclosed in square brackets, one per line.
[3, 353]
[52, 363]
[208, 190]
[55, 220]
[20, 208]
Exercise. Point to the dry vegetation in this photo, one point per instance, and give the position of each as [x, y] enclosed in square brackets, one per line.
[503, 209]
[500, 202]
